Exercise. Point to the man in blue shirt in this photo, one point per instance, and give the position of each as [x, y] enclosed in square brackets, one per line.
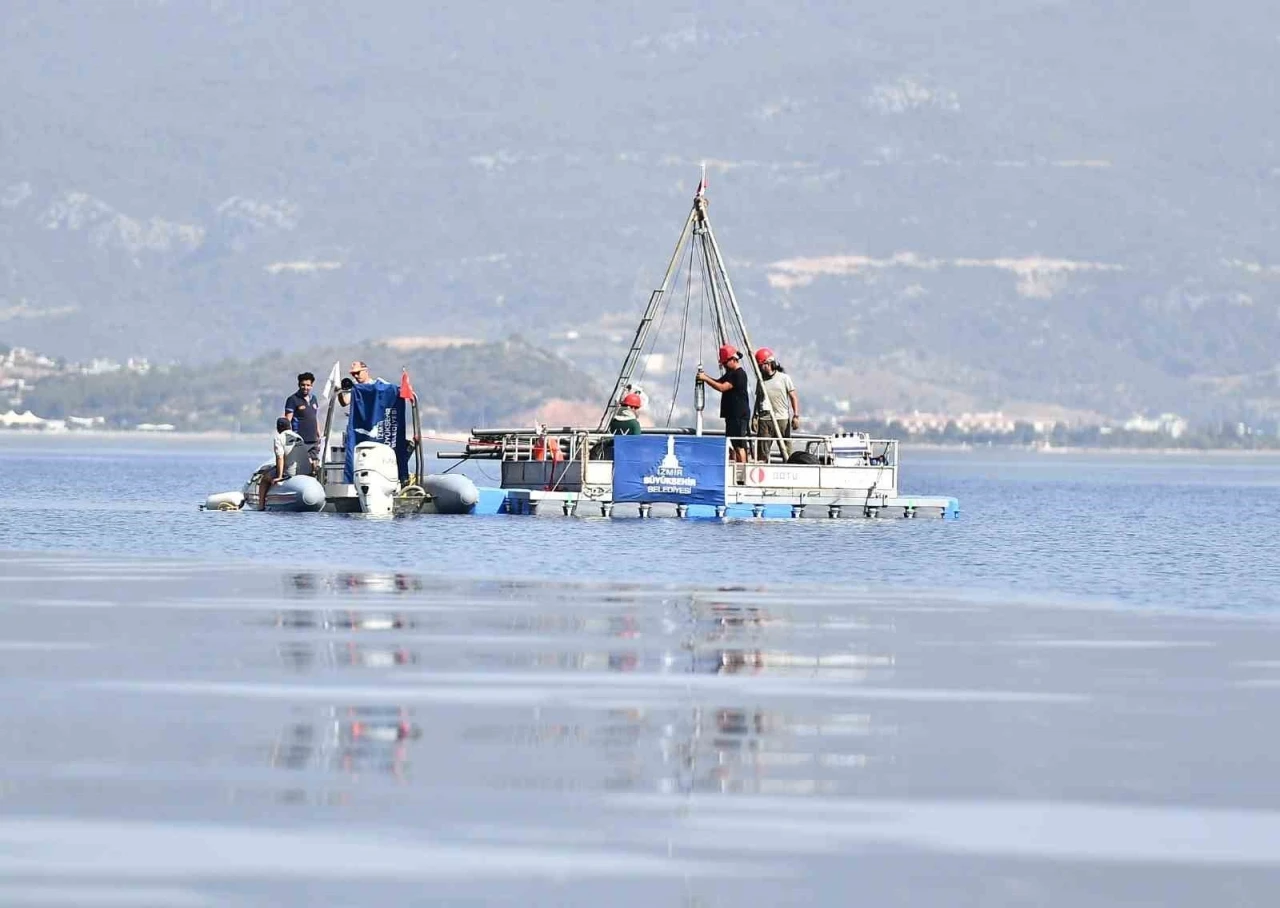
[302, 410]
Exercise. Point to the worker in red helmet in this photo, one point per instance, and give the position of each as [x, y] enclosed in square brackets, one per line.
[777, 410]
[735, 402]
[626, 421]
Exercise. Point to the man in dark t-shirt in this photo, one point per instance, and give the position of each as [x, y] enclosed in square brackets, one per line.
[735, 402]
[302, 411]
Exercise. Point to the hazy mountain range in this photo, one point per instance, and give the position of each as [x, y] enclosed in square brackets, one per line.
[1023, 204]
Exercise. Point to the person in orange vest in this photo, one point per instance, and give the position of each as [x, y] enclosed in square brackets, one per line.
[735, 402]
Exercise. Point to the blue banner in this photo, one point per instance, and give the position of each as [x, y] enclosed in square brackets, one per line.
[684, 469]
[377, 414]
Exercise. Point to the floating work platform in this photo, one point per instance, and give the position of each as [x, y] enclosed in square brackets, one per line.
[669, 474]
[535, 503]
[616, 468]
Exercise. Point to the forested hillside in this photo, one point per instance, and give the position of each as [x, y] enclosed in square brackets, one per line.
[458, 387]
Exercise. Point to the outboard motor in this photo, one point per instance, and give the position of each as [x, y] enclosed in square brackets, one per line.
[377, 477]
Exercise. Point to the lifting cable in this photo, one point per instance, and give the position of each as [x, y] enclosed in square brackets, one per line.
[709, 289]
[684, 333]
[702, 320]
[717, 291]
[732, 332]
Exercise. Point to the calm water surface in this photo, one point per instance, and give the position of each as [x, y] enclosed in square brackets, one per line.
[1174, 530]
[1063, 698]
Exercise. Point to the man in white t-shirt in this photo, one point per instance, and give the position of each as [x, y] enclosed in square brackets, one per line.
[776, 400]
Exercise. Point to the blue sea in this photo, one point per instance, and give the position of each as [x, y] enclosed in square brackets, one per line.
[1062, 698]
[1172, 530]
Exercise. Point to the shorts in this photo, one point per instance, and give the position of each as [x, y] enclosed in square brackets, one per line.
[738, 429]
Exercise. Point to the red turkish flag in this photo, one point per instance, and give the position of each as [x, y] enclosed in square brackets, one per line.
[406, 389]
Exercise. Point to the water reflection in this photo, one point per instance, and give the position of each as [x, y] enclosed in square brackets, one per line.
[828, 666]
[350, 741]
[762, 730]
[732, 638]
[303, 656]
[331, 620]
[347, 582]
[754, 750]
[728, 616]
[771, 746]
[547, 621]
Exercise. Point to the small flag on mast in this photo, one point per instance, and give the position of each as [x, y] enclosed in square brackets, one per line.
[406, 389]
[332, 382]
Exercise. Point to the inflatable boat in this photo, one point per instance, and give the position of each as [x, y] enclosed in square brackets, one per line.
[376, 468]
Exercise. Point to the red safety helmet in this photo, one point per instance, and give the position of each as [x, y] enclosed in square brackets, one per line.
[763, 355]
[728, 352]
[632, 400]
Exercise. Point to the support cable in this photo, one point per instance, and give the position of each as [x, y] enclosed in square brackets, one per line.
[717, 313]
[684, 334]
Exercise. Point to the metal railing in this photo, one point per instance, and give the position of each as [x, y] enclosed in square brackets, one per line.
[569, 444]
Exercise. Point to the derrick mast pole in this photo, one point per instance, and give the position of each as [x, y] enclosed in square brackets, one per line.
[642, 330]
[723, 302]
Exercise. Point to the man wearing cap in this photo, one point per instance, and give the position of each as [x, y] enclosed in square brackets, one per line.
[735, 402]
[359, 372]
[777, 409]
[359, 376]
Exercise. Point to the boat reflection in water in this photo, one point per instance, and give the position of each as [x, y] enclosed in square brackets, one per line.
[774, 747]
[347, 582]
[352, 740]
[754, 717]
[734, 691]
[307, 656]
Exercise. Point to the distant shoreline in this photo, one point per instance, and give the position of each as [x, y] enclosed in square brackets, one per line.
[1087, 449]
[101, 434]
[179, 437]
[176, 436]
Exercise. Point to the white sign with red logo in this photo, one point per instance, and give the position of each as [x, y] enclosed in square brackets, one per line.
[788, 476]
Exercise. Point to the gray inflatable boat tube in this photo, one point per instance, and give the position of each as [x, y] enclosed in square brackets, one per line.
[453, 493]
[297, 493]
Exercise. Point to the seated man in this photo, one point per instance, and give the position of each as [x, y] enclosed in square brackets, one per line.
[291, 459]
